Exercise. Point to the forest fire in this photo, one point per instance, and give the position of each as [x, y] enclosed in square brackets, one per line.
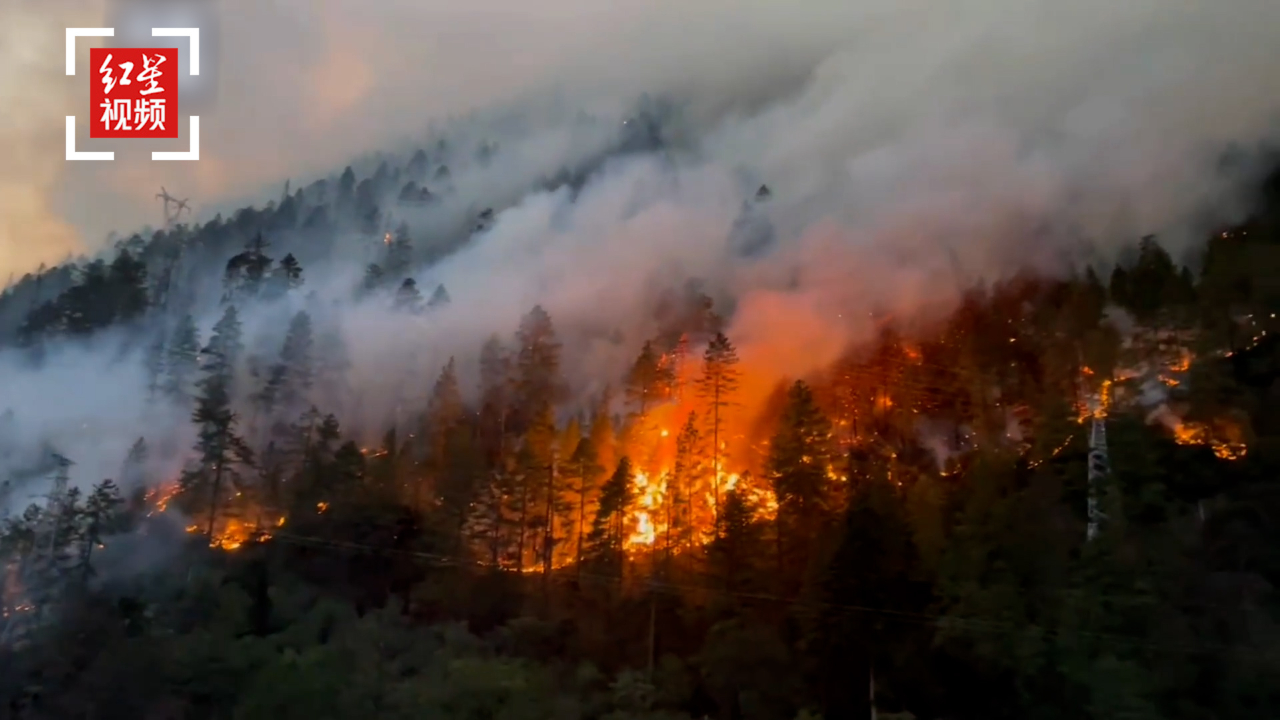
[650, 499]
[159, 498]
[693, 455]
[1223, 437]
[232, 533]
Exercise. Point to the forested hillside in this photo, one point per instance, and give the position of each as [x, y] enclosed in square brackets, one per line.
[918, 528]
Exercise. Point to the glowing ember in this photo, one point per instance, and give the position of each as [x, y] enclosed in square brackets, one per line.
[235, 533]
[159, 498]
[1223, 437]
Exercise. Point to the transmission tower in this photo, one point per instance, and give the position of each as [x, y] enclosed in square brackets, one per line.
[1099, 467]
[171, 217]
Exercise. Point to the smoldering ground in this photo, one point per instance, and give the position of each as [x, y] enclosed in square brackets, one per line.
[911, 149]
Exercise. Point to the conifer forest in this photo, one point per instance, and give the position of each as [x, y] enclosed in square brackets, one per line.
[348, 483]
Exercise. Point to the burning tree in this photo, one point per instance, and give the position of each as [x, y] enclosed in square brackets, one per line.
[221, 450]
[720, 376]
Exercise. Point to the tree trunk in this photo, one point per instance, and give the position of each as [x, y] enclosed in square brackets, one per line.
[524, 521]
[217, 489]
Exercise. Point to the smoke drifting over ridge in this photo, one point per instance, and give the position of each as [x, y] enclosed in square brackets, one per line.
[1087, 89]
[911, 148]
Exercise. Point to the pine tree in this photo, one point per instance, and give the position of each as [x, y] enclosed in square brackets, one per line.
[221, 450]
[226, 344]
[342, 478]
[265, 399]
[408, 298]
[607, 541]
[538, 382]
[1119, 290]
[649, 380]
[346, 188]
[101, 518]
[719, 381]
[246, 271]
[182, 360]
[538, 491]
[688, 473]
[417, 167]
[132, 473]
[1153, 281]
[873, 566]
[312, 448]
[286, 276]
[399, 252]
[127, 282]
[445, 412]
[536, 388]
[439, 298]
[385, 466]
[603, 434]
[460, 469]
[799, 466]
[585, 474]
[732, 554]
[373, 278]
[497, 394]
[294, 373]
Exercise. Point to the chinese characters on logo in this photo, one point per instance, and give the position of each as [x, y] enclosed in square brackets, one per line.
[134, 93]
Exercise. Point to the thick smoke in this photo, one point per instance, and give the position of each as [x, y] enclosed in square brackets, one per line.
[1081, 93]
[32, 231]
[911, 149]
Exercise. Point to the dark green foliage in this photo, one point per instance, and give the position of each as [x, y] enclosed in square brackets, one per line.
[800, 466]
[208, 482]
[103, 296]
[608, 529]
[286, 276]
[246, 273]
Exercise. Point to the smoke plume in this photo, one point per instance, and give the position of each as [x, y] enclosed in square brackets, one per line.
[911, 148]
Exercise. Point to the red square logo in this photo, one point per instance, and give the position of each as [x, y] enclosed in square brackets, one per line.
[134, 93]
